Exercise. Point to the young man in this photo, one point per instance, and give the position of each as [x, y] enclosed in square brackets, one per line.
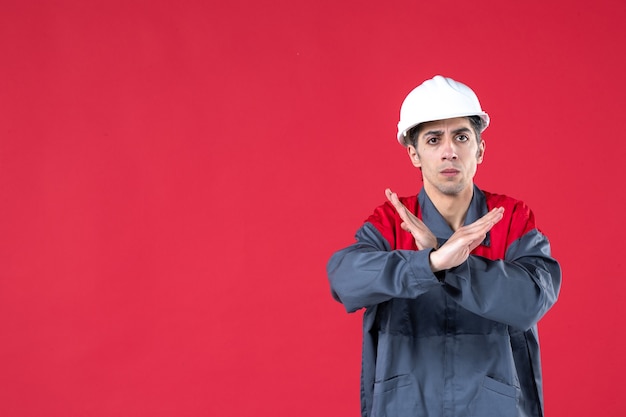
[454, 280]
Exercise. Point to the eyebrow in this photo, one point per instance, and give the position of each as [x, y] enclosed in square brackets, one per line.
[462, 130]
[433, 132]
[455, 131]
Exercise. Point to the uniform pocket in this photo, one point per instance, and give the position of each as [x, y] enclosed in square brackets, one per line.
[494, 399]
[395, 397]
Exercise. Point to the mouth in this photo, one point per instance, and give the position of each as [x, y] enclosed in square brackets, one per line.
[449, 172]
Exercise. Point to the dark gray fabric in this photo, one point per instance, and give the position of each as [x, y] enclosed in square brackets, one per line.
[466, 346]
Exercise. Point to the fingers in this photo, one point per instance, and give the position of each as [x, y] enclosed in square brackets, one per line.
[487, 221]
[400, 208]
[393, 198]
[493, 217]
[424, 238]
[473, 234]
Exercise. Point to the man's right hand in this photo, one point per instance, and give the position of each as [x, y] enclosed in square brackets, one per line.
[424, 238]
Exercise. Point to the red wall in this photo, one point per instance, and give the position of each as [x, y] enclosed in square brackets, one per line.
[175, 174]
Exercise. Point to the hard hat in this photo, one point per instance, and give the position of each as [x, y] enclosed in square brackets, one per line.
[436, 99]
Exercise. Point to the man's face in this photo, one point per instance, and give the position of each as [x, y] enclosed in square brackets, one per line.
[447, 152]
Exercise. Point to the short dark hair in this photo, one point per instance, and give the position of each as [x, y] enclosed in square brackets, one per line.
[477, 123]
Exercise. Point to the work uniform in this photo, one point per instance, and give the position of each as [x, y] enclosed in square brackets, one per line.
[462, 342]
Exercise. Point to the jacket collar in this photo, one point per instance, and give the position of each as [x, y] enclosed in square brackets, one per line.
[437, 224]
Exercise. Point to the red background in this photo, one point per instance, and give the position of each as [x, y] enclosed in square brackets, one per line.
[175, 174]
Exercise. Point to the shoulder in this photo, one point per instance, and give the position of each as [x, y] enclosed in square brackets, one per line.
[516, 212]
[496, 200]
[501, 200]
[386, 213]
[386, 220]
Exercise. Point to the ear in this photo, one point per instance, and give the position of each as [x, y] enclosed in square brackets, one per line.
[481, 151]
[413, 156]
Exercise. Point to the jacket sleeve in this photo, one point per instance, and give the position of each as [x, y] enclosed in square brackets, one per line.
[368, 272]
[517, 290]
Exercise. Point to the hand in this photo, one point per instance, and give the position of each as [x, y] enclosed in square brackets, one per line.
[458, 248]
[424, 238]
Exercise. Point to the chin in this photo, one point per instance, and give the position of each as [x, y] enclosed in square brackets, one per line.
[452, 190]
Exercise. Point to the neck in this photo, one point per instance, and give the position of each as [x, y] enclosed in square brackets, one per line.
[453, 208]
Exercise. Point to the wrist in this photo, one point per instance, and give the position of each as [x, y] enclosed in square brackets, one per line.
[433, 261]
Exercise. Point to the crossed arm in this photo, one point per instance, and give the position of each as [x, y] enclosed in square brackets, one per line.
[458, 248]
[515, 291]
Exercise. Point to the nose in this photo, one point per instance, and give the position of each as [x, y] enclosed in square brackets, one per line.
[448, 150]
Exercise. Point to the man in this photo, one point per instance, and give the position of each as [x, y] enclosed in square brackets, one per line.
[454, 280]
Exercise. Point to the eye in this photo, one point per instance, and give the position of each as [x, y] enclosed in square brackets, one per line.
[432, 140]
[462, 138]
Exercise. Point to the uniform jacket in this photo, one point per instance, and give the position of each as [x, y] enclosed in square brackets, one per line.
[463, 343]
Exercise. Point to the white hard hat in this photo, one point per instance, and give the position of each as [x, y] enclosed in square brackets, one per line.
[436, 99]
